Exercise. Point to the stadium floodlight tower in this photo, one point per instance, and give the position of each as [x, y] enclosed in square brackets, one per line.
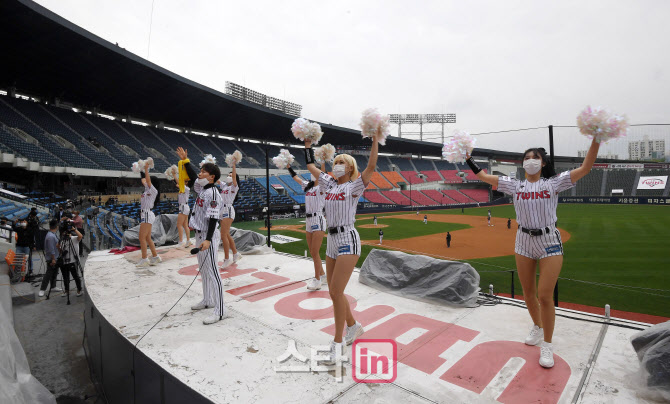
[421, 120]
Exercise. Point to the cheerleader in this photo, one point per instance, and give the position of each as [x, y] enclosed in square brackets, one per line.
[343, 243]
[182, 217]
[229, 193]
[537, 239]
[147, 217]
[315, 225]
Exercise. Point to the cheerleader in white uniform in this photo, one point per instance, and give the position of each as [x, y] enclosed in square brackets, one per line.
[315, 225]
[344, 243]
[182, 217]
[537, 239]
[147, 217]
[229, 191]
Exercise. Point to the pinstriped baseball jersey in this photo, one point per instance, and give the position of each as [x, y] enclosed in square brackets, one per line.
[228, 193]
[182, 198]
[535, 202]
[341, 200]
[206, 206]
[315, 198]
[148, 198]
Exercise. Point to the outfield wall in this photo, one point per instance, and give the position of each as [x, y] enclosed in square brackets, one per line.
[616, 200]
[369, 207]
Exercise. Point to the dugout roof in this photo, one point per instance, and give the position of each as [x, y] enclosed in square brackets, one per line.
[46, 55]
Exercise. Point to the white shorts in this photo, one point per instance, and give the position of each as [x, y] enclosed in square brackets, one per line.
[184, 209]
[315, 223]
[147, 217]
[538, 247]
[346, 243]
[227, 212]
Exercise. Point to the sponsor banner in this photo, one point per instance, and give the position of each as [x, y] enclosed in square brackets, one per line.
[277, 186]
[656, 165]
[626, 165]
[624, 200]
[656, 182]
[281, 239]
[601, 165]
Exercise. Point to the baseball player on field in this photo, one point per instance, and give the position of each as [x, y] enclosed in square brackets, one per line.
[425, 219]
[147, 217]
[375, 220]
[381, 236]
[205, 220]
[315, 224]
[537, 239]
[489, 218]
[229, 192]
[344, 243]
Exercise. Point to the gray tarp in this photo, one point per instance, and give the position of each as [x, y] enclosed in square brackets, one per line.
[421, 278]
[17, 385]
[164, 232]
[653, 349]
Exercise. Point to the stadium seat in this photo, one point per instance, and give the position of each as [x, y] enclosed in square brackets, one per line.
[396, 197]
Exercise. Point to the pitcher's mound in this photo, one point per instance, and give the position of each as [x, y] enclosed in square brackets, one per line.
[372, 226]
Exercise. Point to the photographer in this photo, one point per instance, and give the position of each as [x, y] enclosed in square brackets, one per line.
[79, 225]
[69, 252]
[25, 242]
[51, 254]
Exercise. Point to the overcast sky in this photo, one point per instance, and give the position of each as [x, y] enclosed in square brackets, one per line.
[498, 65]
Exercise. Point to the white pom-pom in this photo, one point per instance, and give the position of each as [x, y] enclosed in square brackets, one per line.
[314, 133]
[372, 121]
[150, 162]
[325, 153]
[172, 173]
[300, 128]
[136, 167]
[283, 159]
[601, 125]
[235, 158]
[455, 149]
[208, 159]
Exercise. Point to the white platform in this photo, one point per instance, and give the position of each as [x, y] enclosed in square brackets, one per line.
[445, 354]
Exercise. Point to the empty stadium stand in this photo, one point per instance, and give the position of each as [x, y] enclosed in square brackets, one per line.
[396, 197]
[451, 177]
[418, 198]
[378, 182]
[438, 197]
[394, 178]
[403, 164]
[423, 165]
[412, 177]
[376, 197]
[432, 176]
[620, 179]
[457, 196]
[479, 195]
[590, 185]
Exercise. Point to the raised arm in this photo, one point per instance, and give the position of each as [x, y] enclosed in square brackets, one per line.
[366, 175]
[309, 159]
[234, 175]
[295, 176]
[146, 175]
[591, 155]
[487, 178]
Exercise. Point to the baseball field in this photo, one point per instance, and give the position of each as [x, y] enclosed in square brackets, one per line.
[614, 254]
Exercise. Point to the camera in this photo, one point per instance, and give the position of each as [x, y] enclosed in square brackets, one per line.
[66, 226]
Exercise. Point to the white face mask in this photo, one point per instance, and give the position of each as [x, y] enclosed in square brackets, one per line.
[229, 180]
[202, 181]
[339, 170]
[532, 166]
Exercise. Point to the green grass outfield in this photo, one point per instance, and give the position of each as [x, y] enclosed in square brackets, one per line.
[610, 244]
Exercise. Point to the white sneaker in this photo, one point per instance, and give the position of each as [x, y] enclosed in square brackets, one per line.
[63, 294]
[144, 263]
[535, 336]
[214, 318]
[546, 355]
[41, 293]
[199, 306]
[56, 289]
[226, 263]
[155, 260]
[237, 256]
[80, 293]
[353, 332]
[336, 350]
[314, 284]
[188, 244]
[324, 279]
